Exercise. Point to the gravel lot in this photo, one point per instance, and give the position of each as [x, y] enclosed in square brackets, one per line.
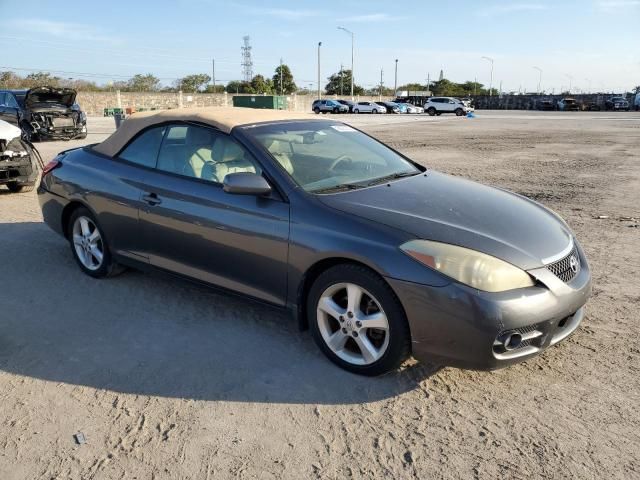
[170, 380]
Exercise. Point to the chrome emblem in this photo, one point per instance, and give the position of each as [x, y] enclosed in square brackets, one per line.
[573, 264]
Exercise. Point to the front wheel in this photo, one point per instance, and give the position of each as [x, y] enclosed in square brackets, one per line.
[374, 111]
[459, 112]
[356, 111]
[89, 245]
[357, 321]
[317, 110]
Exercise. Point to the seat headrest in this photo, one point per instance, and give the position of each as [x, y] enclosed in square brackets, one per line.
[232, 151]
[199, 136]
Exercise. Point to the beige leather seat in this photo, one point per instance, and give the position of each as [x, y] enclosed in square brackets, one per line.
[200, 145]
[281, 153]
[226, 157]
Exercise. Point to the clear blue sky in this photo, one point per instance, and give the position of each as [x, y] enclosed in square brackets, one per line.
[597, 40]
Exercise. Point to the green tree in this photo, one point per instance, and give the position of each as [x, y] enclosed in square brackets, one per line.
[287, 86]
[412, 87]
[341, 82]
[143, 83]
[40, 79]
[236, 86]
[193, 83]
[216, 89]
[260, 85]
[11, 80]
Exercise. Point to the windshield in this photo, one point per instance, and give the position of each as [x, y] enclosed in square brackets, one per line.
[324, 157]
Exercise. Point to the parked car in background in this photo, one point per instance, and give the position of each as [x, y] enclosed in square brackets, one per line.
[568, 105]
[389, 107]
[329, 106]
[347, 103]
[379, 257]
[44, 113]
[617, 103]
[368, 107]
[413, 108]
[440, 105]
[590, 107]
[546, 105]
[18, 160]
[637, 101]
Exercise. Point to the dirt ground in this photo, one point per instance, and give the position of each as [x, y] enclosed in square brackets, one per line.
[170, 380]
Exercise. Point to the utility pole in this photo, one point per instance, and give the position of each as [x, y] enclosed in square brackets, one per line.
[341, 80]
[213, 73]
[380, 91]
[352, 50]
[539, 78]
[281, 90]
[319, 45]
[475, 86]
[428, 82]
[500, 91]
[395, 84]
[570, 81]
[489, 59]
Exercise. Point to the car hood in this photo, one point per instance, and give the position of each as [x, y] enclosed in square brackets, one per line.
[8, 132]
[40, 96]
[443, 208]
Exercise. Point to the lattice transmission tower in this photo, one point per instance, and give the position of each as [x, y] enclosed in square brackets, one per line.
[247, 63]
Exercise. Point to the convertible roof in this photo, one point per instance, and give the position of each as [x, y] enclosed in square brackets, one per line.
[222, 118]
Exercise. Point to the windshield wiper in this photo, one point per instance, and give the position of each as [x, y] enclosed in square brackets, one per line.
[393, 176]
[338, 188]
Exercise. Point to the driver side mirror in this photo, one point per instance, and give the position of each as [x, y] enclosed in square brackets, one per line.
[246, 183]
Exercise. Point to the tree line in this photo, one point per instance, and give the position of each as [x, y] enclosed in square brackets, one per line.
[339, 83]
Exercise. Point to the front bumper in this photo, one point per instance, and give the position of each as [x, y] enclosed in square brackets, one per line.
[59, 133]
[20, 171]
[457, 325]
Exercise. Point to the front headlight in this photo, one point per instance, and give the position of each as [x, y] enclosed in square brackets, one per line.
[476, 269]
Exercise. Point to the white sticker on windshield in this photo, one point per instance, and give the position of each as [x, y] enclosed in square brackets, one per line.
[343, 128]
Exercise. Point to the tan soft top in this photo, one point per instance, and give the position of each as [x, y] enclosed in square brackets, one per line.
[223, 118]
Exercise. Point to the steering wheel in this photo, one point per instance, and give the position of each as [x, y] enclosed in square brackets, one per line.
[340, 159]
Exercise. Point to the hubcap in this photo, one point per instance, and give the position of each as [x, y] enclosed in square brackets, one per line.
[353, 324]
[87, 243]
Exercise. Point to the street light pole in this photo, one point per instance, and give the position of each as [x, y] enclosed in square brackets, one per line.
[395, 84]
[539, 78]
[570, 81]
[213, 73]
[352, 50]
[319, 45]
[489, 59]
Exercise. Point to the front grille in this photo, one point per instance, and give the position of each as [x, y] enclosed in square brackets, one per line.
[566, 268]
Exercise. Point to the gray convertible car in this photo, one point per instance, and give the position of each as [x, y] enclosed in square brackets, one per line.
[378, 256]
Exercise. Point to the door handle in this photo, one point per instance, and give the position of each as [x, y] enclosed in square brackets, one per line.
[152, 199]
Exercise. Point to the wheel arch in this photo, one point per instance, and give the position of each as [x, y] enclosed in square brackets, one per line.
[68, 210]
[310, 276]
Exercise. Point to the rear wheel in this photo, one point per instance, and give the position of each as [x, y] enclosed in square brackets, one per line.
[459, 112]
[317, 110]
[431, 111]
[357, 321]
[89, 245]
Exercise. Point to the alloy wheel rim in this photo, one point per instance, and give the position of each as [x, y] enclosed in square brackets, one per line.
[353, 324]
[88, 243]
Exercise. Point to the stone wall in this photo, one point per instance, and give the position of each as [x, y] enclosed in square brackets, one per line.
[94, 103]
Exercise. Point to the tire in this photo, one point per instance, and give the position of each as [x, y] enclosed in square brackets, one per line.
[335, 110]
[355, 110]
[374, 110]
[16, 187]
[107, 267]
[317, 110]
[386, 348]
[459, 112]
[431, 111]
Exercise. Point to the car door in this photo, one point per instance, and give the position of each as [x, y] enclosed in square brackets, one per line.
[192, 227]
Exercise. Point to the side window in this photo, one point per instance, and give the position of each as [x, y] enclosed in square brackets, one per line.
[11, 101]
[200, 152]
[2, 99]
[144, 149]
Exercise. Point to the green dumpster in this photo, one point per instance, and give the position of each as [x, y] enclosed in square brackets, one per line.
[273, 102]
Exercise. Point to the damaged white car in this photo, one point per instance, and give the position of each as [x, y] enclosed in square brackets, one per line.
[20, 162]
